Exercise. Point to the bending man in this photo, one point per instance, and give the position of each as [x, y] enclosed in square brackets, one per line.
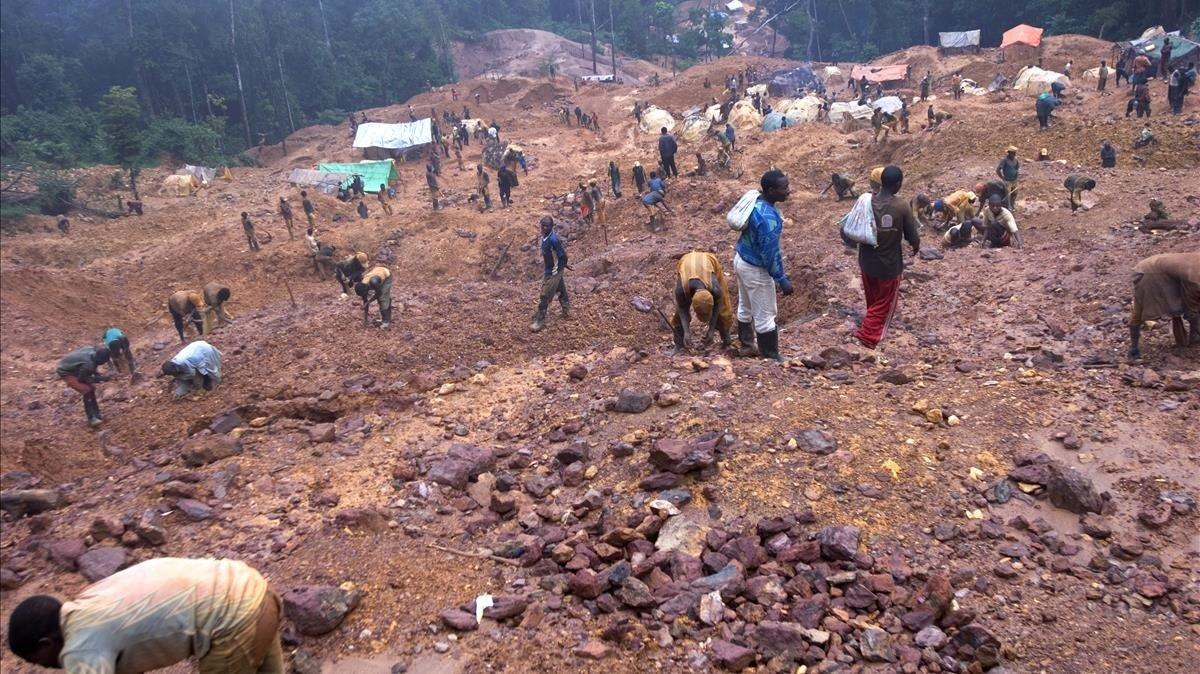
[700, 287]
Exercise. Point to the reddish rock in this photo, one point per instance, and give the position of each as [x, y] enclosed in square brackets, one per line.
[592, 650]
[729, 655]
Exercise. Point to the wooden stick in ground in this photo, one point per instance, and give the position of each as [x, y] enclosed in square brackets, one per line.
[475, 555]
[289, 289]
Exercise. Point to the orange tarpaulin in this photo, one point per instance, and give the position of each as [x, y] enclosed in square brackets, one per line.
[881, 74]
[1022, 34]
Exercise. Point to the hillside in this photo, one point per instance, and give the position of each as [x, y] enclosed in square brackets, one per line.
[848, 511]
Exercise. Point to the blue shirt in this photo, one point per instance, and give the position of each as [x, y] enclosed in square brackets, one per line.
[552, 247]
[111, 335]
[759, 243]
[656, 185]
[201, 357]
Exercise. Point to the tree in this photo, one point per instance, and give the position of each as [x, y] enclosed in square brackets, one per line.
[121, 120]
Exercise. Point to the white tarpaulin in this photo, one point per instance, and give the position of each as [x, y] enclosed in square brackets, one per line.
[394, 136]
[202, 173]
[1033, 80]
[654, 119]
[805, 109]
[326, 181]
[694, 128]
[959, 39]
[849, 111]
[889, 104]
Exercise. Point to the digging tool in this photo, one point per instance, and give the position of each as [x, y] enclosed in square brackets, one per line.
[475, 555]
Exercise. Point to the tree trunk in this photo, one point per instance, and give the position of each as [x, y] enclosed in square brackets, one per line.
[133, 174]
[237, 70]
[845, 18]
[191, 91]
[283, 83]
[612, 43]
[812, 28]
[207, 100]
[325, 25]
[774, 35]
[925, 19]
[595, 67]
[818, 34]
[142, 90]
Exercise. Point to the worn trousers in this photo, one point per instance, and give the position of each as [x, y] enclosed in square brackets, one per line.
[251, 648]
[883, 295]
[551, 286]
[756, 295]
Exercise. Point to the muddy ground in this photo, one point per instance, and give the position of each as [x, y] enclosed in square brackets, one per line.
[341, 432]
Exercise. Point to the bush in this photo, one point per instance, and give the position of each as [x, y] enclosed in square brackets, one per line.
[55, 193]
[182, 141]
[64, 138]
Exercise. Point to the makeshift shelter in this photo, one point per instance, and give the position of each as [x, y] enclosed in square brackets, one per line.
[850, 114]
[201, 173]
[1033, 80]
[889, 104]
[744, 116]
[958, 42]
[380, 141]
[760, 89]
[774, 121]
[374, 173]
[788, 82]
[325, 181]
[806, 109]
[1021, 44]
[655, 118]
[1151, 42]
[888, 76]
[713, 113]
[694, 128]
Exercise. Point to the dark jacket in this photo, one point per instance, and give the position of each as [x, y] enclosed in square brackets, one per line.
[667, 147]
[552, 247]
[894, 224]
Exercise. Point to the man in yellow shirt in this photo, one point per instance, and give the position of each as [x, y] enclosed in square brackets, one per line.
[215, 296]
[961, 206]
[188, 305]
[700, 287]
[376, 286]
[153, 615]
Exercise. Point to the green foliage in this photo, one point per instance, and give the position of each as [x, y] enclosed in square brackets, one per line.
[67, 137]
[55, 192]
[45, 79]
[120, 120]
[182, 142]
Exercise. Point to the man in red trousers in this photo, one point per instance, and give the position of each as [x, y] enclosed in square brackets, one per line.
[883, 264]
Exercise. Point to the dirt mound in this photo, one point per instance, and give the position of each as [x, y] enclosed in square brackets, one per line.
[528, 52]
[540, 95]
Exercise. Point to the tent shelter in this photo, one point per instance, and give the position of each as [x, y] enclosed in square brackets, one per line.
[1033, 80]
[956, 42]
[889, 104]
[850, 114]
[805, 109]
[889, 76]
[380, 141]
[694, 128]
[744, 116]
[654, 119]
[201, 173]
[1150, 43]
[374, 173]
[1021, 44]
[324, 181]
[788, 82]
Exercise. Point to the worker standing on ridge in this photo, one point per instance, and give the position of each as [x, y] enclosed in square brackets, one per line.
[285, 210]
[117, 343]
[639, 176]
[506, 179]
[554, 266]
[598, 203]
[731, 135]
[215, 296]
[883, 264]
[758, 263]
[385, 201]
[587, 207]
[197, 366]
[700, 286]
[999, 225]
[667, 147]
[248, 228]
[1102, 77]
[1166, 285]
[376, 286]
[483, 186]
[925, 82]
[1009, 170]
[350, 271]
[309, 209]
[432, 181]
[188, 305]
[78, 370]
[153, 615]
[614, 179]
[1075, 185]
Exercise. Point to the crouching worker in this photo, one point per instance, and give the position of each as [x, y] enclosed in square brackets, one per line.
[961, 236]
[188, 305]
[350, 271]
[999, 226]
[215, 296]
[78, 370]
[376, 286]
[1075, 185]
[700, 287]
[1166, 285]
[154, 615]
[196, 366]
[118, 350]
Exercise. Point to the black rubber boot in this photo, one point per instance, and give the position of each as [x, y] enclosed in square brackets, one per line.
[539, 319]
[91, 407]
[768, 345]
[745, 339]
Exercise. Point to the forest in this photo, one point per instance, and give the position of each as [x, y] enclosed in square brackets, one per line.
[208, 78]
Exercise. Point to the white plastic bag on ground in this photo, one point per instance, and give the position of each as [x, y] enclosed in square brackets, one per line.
[859, 224]
[739, 215]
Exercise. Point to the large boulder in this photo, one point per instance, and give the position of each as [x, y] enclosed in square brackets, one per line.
[21, 502]
[100, 563]
[201, 450]
[319, 609]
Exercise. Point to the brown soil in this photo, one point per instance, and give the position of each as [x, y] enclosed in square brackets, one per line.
[999, 338]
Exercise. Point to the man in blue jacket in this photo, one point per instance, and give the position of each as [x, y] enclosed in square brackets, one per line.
[1045, 105]
[758, 264]
[667, 147]
[554, 265]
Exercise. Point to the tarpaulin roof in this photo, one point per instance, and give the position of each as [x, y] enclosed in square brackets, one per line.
[394, 136]
[843, 110]
[1022, 34]
[889, 104]
[1034, 80]
[881, 74]
[374, 173]
[202, 173]
[318, 178]
[654, 119]
[1183, 50]
[787, 82]
[961, 38]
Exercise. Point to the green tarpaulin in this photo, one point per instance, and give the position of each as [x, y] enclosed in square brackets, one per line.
[374, 173]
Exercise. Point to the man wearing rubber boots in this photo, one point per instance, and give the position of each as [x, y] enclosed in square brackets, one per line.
[78, 370]
[758, 264]
[554, 266]
[376, 286]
